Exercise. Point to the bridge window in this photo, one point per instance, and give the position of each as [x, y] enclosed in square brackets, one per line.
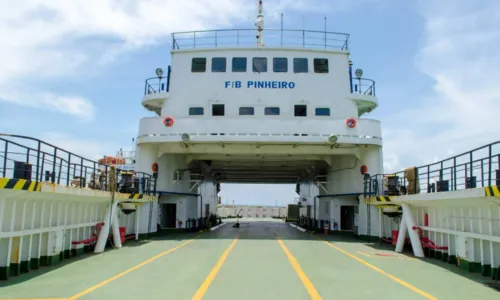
[301, 110]
[218, 64]
[247, 111]
[217, 109]
[272, 111]
[322, 111]
[259, 64]
[320, 65]
[196, 111]
[300, 65]
[199, 64]
[239, 64]
[280, 64]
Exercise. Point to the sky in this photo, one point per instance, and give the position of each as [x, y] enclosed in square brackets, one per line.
[72, 72]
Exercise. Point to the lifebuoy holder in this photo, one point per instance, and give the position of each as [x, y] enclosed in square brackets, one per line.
[168, 121]
[351, 122]
[363, 169]
[154, 167]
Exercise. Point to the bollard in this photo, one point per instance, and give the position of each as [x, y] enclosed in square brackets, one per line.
[327, 229]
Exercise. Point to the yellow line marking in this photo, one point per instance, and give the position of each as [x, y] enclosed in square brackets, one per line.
[93, 288]
[33, 298]
[211, 276]
[363, 253]
[303, 277]
[402, 282]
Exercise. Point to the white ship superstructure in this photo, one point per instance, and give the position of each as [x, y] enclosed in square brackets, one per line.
[233, 109]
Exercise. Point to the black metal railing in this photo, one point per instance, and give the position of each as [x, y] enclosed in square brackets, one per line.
[363, 86]
[479, 167]
[156, 85]
[272, 38]
[24, 157]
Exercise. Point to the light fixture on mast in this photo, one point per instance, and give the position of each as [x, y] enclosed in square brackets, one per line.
[260, 25]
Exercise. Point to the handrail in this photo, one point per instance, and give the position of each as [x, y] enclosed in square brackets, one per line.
[273, 37]
[158, 84]
[46, 162]
[363, 86]
[463, 171]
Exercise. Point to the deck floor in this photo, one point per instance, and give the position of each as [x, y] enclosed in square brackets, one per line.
[260, 260]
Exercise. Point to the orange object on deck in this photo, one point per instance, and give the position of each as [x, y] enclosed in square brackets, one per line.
[111, 160]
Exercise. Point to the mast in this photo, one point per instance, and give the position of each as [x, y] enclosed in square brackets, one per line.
[260, 25]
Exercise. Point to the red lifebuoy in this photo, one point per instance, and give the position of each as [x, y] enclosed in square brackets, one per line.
[351, 122]
[363, 169]
[168, 121]
[154, 167]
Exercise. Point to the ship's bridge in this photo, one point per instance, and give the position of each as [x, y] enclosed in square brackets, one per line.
[229, 64]
[222, 86]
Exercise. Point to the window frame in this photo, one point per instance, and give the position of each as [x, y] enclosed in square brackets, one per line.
[316, 67]
[246, 107]
[286, 64]
[197, 107]
[220, 105]
[239, 71]
[272, 107]
[295, 106]
[193, 65]
[320, 115]
[220, 59]
[294, 64]
[265, 65]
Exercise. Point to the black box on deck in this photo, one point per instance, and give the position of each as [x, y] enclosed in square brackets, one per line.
[22, 170]
[443, 186]
[470, 183]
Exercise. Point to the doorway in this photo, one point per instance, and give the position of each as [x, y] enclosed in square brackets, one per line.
[169, 214]
[347, 218]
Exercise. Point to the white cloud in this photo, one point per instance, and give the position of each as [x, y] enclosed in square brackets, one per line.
[48, 40]
[85, 147]
[72, 105]
[460, 54]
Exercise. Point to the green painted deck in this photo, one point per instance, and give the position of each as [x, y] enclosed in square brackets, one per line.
[260, 260]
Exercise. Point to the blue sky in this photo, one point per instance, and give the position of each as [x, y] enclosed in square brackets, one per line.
[72, 72]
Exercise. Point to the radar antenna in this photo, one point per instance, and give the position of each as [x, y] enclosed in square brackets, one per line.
[260, 25]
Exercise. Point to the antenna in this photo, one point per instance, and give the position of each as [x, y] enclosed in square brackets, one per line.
[260, 25]
[325, 32]
[281, 29]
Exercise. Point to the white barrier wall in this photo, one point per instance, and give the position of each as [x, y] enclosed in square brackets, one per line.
[38, 228]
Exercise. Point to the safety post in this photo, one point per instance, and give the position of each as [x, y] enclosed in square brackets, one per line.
[110, 219]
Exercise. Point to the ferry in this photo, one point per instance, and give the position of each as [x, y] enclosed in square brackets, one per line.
[248, 106]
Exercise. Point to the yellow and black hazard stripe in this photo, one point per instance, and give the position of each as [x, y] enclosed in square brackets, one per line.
[135, 196]
[20, 185]
[492, 191]
[382, 199]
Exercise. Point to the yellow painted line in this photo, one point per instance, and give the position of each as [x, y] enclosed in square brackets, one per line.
[93, 288]
[400, 281]
[33, 298]
[363, 253]
[303, 277]
[211, 276]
